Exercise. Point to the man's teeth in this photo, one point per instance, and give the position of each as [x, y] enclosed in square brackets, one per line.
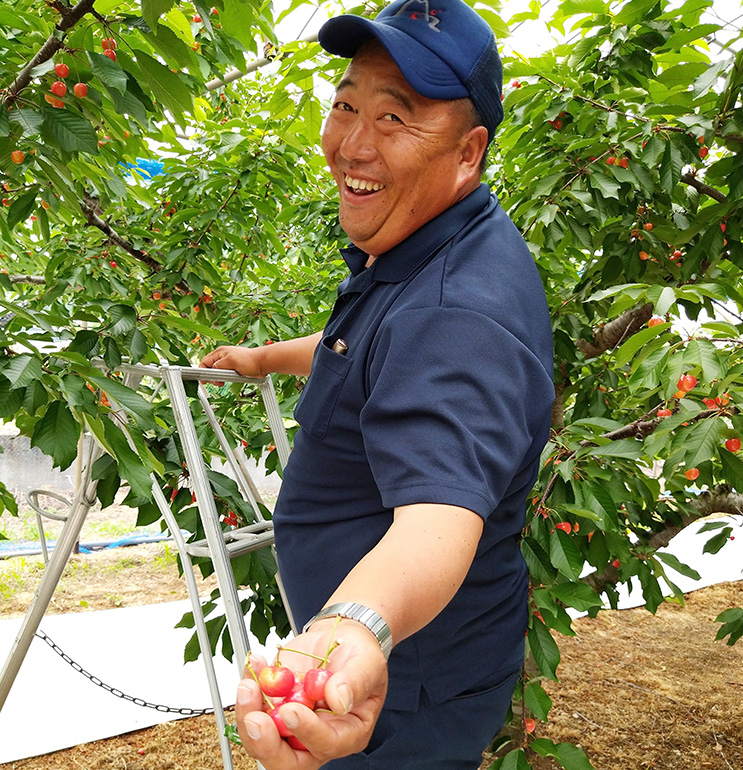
[363, 184]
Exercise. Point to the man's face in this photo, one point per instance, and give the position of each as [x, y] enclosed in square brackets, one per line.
[396, 156]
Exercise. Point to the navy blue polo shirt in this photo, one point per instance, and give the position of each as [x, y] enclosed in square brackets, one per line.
[444, 396]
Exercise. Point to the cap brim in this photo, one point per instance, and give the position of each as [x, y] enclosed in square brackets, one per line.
[425, 71]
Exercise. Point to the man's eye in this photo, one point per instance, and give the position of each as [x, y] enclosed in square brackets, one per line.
[344, 106]
[392, 117]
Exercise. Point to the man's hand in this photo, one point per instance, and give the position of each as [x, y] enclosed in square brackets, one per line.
[245, 361]
[354, 694]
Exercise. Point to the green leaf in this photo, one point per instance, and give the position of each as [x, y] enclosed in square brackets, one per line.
[514, 760]
[716, 542]
[701, 441]
[192, 326]
[56, 434]
[577, 595]
[166, 87]
[131, 467]
[538, 560]
[603, 184]
[123, 320]
[22, 208]
[237, 19]
[665, 301]
[22, 370]
[671, 167]
[537, 701]
[636, 342]
[675, 564]
[29, 120]
[567, 755]
[109, 73]
[544, 649]
[73, 132]
[125, 397]
[152, 10]
[624, 447]
[732, 467]
[733, 620]
[565, 555]
[4, 124]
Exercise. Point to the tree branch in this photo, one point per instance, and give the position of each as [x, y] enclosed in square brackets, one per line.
[722, 498]
[52, 44]
[92, 212]
[703, 188]
[615, 332]
[19, 278]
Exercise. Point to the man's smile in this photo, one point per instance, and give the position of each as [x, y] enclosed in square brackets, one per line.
[362, 186]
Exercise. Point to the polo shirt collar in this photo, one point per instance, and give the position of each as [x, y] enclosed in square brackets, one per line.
[399, 262]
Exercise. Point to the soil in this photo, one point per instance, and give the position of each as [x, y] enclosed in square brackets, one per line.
[636, 691]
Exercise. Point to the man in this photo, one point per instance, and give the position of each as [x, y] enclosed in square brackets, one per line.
[422, 421]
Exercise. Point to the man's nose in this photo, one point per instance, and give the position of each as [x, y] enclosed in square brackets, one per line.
[358, 142]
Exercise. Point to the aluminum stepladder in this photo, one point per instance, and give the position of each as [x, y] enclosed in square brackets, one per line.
[218, 545]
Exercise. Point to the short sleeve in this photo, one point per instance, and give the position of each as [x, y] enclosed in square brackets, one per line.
[457, 408]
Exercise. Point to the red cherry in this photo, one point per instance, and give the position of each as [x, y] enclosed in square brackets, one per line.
[515, 84]
[295, 743]
[616, 564]
[692, 473]
[314, 682]
[61, 70]
[111, 54]
[732, 444]
[723, 226]
[722, 400]
[299, 695]
[710, 403]
[556, 124]
[529, 725]
[644, 255]
[284, 731]
[664, 413]
[80, 90]
[565, 526]
[703, 152]
[686, 382]
[58, 88]
[611, 160]
[268, 342]
[648, 226]
[108, 43]
[113, 264]
[654, 321]
[623, 162]
[58, 103]
[17, 156]
[276, 681]
[196, 19]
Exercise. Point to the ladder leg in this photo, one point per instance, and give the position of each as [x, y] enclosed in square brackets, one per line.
[69, 536]
[208, 514]
[200, 624]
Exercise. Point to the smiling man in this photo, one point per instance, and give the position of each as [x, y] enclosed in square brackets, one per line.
[423, 418]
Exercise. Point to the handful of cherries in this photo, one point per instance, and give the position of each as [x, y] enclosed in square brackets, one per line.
[279, 685]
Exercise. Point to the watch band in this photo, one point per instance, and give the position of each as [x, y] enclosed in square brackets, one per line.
[361, 614]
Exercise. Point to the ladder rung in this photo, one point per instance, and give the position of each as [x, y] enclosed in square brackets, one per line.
[238, 541]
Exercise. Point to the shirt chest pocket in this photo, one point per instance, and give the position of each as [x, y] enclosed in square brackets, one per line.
[320, 395]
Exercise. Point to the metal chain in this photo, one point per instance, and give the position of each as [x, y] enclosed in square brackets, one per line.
[114, 691]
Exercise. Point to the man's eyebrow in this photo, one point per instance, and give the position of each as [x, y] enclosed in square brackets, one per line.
[395, 93]
[399, 96]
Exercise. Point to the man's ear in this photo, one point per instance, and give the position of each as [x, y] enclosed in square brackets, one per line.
[474, 145]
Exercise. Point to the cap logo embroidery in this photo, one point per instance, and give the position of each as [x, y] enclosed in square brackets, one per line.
[422, 11]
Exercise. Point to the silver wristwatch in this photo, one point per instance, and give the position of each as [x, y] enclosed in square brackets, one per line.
[361, 614]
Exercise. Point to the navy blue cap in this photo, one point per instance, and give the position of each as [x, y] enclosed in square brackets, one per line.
[444, 49]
